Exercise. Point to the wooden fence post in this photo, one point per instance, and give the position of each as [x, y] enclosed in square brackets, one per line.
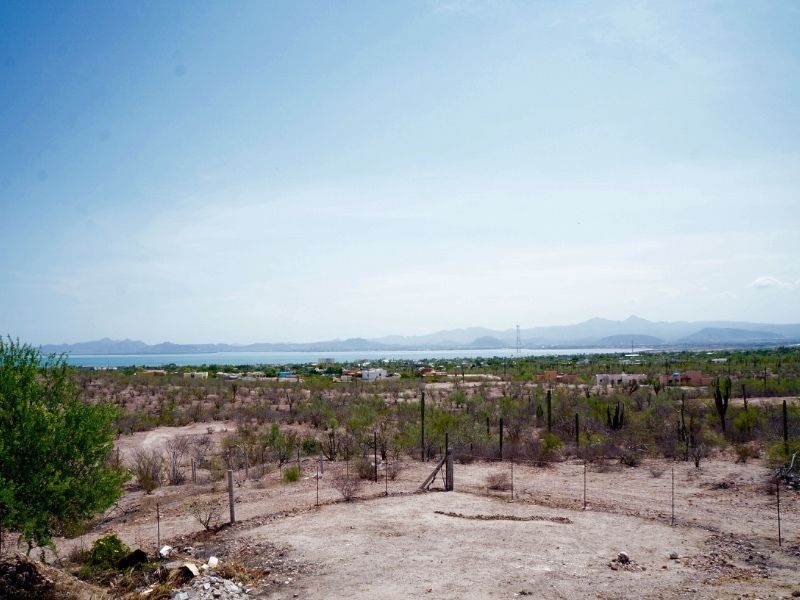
[422, 429]
[375, 453]
[673, 496]
[501, 438]
[158, 526]
[448, 482]
[230, 495]
[778, 497]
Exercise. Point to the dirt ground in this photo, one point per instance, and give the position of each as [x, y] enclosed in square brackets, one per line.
[725, 532]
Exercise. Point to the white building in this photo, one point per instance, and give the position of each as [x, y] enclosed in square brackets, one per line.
[196, 375]
[619, 378]
[373, 374]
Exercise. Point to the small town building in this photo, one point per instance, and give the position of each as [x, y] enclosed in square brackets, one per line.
[619, 378]
[196, 375]
[373, 374]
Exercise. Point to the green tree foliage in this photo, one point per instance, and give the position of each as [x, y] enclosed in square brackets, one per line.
[54, 448]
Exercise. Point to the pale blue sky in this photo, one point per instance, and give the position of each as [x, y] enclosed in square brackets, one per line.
[271, 171]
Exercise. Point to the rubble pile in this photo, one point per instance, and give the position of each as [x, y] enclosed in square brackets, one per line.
[19, 578]
[623, 562]
[722, 552]
[211, 587]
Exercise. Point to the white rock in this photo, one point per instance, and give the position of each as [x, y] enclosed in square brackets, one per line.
[165, 551]
[213, 561]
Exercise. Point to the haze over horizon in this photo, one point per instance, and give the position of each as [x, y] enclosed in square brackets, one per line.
[301, 172]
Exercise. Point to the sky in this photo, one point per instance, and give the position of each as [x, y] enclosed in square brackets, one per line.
[299, 171]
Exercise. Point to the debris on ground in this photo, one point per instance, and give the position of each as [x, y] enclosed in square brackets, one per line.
[564, 520]
[718, 563]
[623, 562]
[211, 587]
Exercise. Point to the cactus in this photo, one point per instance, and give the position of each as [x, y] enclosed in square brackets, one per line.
[617, 420]
[722, 394]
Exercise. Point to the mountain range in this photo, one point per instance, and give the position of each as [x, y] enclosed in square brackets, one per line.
[633, 331]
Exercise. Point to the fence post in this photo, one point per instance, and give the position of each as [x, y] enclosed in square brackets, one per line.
[673, 496]
[584, 482]
[422, 430]
[194, 472]
[512, 477]
[448, 482]
[230, 495]
[375, 454]
[317, 487]
[785, 431]
[321, 464]
[501, 438]
[778, 497]
[158, 526]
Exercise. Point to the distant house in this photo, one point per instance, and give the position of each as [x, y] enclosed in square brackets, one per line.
[692, 377]
[619, 378]
[373, 374]
[196, 375]
[228, 376]
[154, 372]
[554, 377]
[287, 376]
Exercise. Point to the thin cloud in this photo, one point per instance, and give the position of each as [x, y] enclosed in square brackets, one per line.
[770, 282]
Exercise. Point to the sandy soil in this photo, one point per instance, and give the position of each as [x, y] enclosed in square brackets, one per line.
[399, 547]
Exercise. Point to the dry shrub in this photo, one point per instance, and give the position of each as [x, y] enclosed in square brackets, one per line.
[78, 554]
[605, 466]
[744, 452]
[394, 469]
[148, 468]
[499, 480]
[347, 485]
[365, 469]
[208, 512]
[176, 448]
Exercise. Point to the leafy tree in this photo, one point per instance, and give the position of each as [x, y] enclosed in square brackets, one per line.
[54, 448]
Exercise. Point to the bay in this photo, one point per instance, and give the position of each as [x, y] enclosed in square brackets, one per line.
[288, 358]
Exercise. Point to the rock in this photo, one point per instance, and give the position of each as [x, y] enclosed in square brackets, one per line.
[623, 558]
[165, 551]
[213, 561]
[673, 556]
[192, 568]
[135, 558]
[796, 594]
[181, 596]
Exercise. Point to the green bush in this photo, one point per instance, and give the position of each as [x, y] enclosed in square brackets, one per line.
[310, 445]
[551, 444]
[106, 552]
[291, 474]
[778, 454]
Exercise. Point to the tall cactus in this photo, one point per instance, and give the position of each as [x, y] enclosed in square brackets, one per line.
[617, 420]
[722, 394]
